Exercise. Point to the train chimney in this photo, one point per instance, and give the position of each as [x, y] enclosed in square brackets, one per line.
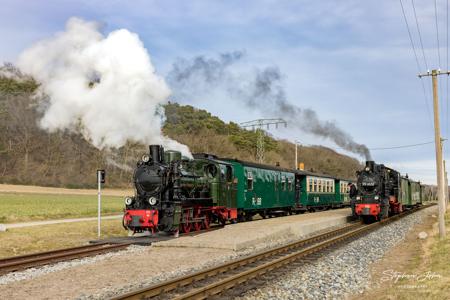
[370, 164]
[156, 153]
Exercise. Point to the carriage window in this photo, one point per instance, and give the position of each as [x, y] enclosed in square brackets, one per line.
[327, 186]
[315, 185]
[249, 181]
[310, 185]
[290, 184]
[319, 186]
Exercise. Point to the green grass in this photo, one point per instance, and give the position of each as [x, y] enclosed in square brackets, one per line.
[33, 207]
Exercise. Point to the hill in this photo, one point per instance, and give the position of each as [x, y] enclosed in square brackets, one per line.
[30, 155]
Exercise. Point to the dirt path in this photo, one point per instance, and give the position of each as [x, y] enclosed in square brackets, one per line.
[9, 188]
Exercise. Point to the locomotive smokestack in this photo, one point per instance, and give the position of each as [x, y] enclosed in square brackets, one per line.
[156, 152]
[370, 164]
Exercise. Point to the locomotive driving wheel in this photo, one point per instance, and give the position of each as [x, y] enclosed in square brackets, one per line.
[186, 226]
[198, 224]
[206, 221]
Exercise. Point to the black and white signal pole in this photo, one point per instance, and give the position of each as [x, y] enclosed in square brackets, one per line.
[438, 143]
[100, 180]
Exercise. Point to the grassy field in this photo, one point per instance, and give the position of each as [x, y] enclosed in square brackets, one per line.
[21, 241]
[17, 207]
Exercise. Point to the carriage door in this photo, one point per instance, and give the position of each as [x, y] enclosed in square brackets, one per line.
[298, 187]
[231, 187]
[277, 179]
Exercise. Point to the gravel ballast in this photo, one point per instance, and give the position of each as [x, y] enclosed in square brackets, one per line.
[341, 272]
[39, 271]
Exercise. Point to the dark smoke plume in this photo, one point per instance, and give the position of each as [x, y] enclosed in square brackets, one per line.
[262, 90]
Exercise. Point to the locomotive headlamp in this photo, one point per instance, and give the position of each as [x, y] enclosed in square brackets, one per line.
[376, 197]
[145, 158]
[358, 198]
[152, 200]
[128, 200]
[367, 168]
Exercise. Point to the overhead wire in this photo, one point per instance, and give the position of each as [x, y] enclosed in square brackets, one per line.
[447, 115]
[420, 36]
[403, 146]
[410, 36]
[426, 98]
[437, 33]
[378, 148]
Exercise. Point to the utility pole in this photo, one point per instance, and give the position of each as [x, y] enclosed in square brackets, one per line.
[438, 144]
[257, 125]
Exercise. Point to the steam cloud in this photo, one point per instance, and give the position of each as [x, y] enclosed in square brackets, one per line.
[104, 86]
[262, 90]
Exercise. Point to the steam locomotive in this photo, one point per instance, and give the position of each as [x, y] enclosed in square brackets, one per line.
[383, 192]
[173, 193]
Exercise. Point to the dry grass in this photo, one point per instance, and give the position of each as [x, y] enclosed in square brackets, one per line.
[30, 207]
[50, 237]
[426, 265]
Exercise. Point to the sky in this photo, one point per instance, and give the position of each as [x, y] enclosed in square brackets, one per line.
[350, 61]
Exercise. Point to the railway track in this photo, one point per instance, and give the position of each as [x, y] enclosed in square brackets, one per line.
[23, 262]
[19, 263]
[216, 280]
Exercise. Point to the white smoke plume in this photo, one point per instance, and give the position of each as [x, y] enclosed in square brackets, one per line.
[105, 86]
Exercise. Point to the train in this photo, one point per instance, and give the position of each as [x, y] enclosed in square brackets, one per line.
[383, 192]
[177, 194]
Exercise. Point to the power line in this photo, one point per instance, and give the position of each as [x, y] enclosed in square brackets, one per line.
[417, 61]
[437, 32]
[378, 148]
[447, 67]
[410, 36]
[420, 35]
[402, 146]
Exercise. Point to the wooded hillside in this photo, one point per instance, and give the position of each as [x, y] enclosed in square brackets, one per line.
[30, 155]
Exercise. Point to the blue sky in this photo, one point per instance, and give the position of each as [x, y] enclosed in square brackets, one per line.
[350, 61]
